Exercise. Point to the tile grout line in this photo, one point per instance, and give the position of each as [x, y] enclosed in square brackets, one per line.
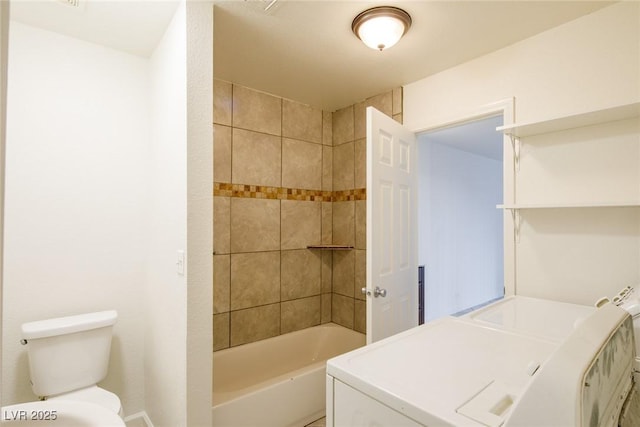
[230, 209]
[280, 224]
[354, 217]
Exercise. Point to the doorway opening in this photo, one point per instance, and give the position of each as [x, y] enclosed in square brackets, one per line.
[461, 240]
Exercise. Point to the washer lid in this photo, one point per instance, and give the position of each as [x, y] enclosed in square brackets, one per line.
[490, 406]
[430, 373]
[551, 320]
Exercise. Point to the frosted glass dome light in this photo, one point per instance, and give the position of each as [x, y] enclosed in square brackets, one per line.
[381, 27]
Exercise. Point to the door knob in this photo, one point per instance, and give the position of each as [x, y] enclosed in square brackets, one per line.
[377, 292]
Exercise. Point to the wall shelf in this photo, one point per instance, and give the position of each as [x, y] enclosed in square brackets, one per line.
[516, 208]
[519, 206]
[331, 247]
[620, 112]
[575, 226]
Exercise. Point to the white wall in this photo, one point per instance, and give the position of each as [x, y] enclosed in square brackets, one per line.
[460, 228]
[178, 333]
[587, 64]
[76, 198]
[199, 343]
[166, 292]
[110, 175]
[4, 56]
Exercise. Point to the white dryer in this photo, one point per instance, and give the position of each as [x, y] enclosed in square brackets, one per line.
[629, 300]
[546, 319]
[461, 372]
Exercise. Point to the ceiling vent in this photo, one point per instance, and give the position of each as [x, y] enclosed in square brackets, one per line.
[265, 6]
[269, 4]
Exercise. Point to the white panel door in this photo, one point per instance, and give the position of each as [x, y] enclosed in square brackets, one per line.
[392, 271]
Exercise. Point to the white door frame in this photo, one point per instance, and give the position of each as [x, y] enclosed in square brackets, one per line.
[506, 107]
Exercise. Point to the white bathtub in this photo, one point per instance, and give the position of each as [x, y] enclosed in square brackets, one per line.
[280, 381]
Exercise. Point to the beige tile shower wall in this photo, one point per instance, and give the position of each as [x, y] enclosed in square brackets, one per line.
[273, 181]
[349, 206]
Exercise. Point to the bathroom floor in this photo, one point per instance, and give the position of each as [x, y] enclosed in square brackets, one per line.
[322, 422]
[137, 422]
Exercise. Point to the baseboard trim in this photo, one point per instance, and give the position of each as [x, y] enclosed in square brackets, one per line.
[139, 415]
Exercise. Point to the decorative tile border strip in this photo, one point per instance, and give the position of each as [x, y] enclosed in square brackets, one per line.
[225, 189]
[349, 195]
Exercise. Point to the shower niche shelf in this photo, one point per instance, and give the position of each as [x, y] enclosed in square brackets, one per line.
[331, 247]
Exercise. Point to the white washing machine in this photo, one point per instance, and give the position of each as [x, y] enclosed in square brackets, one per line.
[460, 372]
[551, 320]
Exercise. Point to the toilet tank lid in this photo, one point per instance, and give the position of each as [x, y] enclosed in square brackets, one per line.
[68, 324]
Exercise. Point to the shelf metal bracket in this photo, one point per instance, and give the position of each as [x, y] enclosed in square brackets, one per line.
[515, 145]
[515, 215]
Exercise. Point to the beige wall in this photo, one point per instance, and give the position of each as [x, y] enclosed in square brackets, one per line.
[276, 192]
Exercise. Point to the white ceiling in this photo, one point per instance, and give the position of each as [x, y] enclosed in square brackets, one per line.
[133, 26]
[478, 137]
[304, 50]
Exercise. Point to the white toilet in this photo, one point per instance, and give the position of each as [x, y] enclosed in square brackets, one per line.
[68, 356]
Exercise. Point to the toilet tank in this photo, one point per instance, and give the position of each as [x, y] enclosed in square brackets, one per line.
[68, 353]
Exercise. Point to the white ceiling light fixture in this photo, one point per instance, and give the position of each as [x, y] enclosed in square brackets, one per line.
[381, 27]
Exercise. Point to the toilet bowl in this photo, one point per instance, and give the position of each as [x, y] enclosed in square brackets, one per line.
[93, 394]
[59, 413]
